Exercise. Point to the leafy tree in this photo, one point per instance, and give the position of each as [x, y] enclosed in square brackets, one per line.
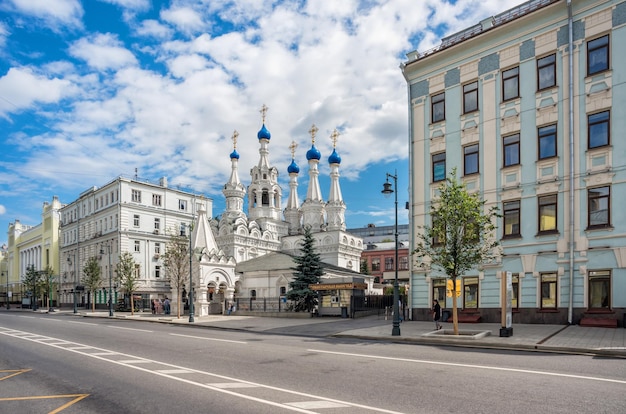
[92, 279]
[48, 283]
[127, 277]
[176, 265]
[307, 272]
[461, 236]
[32, 281]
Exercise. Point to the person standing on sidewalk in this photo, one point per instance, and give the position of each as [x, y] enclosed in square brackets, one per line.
[437, 314]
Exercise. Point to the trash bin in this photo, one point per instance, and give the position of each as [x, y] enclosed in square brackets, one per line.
[344, 311]
[445, 315]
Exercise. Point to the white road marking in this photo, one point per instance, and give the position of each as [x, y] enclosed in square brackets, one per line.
[173, 371]
[224, 385]
[487, 367]
[210, 339]
[129, 329]
[83, 323]
[312, 405]
[134, 361]
[286, 406]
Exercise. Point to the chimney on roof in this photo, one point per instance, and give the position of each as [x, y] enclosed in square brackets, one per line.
[163, 182]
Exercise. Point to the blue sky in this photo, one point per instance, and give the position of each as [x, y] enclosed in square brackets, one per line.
[90, 90]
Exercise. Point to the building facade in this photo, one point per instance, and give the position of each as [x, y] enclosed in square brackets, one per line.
[529, 107]
[124, 215]
[36, 246]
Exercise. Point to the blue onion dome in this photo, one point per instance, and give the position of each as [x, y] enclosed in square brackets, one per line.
[234, 155]
[264, 133]
[313, 154]
[293, 167]
[334, 158]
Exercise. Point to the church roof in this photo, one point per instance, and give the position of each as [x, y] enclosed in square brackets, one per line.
[278, 261]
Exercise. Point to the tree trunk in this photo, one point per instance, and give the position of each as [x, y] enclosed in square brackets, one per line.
[132, 304]
[93, 302]
[455, 318]
[179, 298]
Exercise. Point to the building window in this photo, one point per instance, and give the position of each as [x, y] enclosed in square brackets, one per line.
[546, 72]
[137, 245]
[157, 271]
[389, 263]
[470, 159]
[548, 291]
[470, 292]
[182, 205]
[157, 248]
[156, 200]
[515, 297]
[183, 229]
[510, 145]
[403, 263]
[376, 264]
[439, 166]
[137, 271]
[253, 294]
[470, 97]
[547, 213]
[547, 141]
[96, 203]
[157, 225]
[598, 55]
[136, 220]
[136, 196]
[439, 291]
[438, 107]
[511, 210]
[599, 206]
[510, 84]
[600, 289]
[598, 129]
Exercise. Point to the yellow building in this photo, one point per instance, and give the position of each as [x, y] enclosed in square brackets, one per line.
[36, 246]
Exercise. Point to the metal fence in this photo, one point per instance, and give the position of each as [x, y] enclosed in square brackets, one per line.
[255, 304]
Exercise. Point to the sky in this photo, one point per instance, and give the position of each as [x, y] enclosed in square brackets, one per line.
[96, 89]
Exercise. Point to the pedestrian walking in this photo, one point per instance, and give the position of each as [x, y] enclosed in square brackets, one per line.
[153, 303]
[437, 314]
[166, 305]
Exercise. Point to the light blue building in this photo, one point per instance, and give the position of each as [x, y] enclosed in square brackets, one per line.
[528, 105]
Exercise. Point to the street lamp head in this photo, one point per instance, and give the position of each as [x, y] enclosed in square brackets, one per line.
[387, 190]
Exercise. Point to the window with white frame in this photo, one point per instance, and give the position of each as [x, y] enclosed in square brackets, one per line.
[137, 246]
[549, 291]
[136, 196]
[182, 205]
[136, 220]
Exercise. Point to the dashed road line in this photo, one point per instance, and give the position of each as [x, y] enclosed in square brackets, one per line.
[209, 339]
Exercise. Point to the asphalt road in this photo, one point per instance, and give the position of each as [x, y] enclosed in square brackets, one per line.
[53, 364]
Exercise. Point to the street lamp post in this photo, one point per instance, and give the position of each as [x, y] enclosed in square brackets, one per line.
[110, 279]
[387, 190]
[70, 261]
[191, 310]
[7, 290]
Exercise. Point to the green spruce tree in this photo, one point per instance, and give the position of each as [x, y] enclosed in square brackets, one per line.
[308, 271]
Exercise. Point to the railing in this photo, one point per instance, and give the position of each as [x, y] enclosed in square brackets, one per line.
[256, 304]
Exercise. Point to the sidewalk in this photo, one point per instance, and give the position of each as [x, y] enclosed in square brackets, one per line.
[531, 337]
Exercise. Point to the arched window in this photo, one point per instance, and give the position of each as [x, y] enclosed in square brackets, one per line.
[265, 198]
[253, 294]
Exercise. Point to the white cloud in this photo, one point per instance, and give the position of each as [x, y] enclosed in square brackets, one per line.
[185, 19]
[103, 52]
[21, 88]
[130, 4]
[54, 12]
[3, 210]
[152, 28]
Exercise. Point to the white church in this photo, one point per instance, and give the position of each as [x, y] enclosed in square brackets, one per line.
[250, 254]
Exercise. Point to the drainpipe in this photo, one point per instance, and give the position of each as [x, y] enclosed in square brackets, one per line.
[570, 306]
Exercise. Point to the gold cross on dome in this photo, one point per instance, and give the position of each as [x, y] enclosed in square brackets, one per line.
[334, 137]
[234, 138]
[293, 147]
[313, 131]
[263, 112]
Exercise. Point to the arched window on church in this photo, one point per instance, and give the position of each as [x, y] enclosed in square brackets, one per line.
[253, 198]
[265, 198]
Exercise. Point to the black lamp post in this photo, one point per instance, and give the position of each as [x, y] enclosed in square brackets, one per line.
[69, 261]
[387, 190]
[110, 279]
[7, 290]
[191, 310]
